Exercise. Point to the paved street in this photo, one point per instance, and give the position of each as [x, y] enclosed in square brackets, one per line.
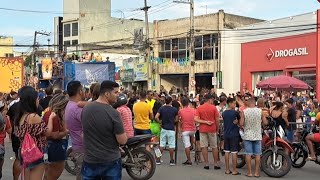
[179, 172]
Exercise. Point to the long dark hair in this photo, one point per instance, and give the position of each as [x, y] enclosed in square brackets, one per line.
[27, 103]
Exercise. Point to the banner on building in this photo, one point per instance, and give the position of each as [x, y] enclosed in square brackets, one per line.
[46, 68]
[128, 63]
[11, 73]
[126, 75]
[141, 72]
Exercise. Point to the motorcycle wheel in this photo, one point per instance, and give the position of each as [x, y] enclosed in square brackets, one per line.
[282, 167]
[297, 155]
[241, 162]
[70, 164]
[141, 156]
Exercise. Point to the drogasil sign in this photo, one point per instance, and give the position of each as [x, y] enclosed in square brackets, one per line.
[286, 53]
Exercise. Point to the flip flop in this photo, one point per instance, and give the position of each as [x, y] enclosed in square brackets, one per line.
[249, 176]
[236, 174]
[228, 172]
[311, 159]
[257, 176]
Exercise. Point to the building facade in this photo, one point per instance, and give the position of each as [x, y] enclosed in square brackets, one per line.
[90, 26]
[172, 66]
[6, 51]
[283, 46]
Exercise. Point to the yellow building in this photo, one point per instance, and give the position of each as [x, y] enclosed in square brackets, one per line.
[6, 51]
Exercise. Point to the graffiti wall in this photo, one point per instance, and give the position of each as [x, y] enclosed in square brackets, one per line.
[11, 73]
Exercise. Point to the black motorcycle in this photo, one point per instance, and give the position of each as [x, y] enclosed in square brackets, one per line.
[139, 163]
[301, 150]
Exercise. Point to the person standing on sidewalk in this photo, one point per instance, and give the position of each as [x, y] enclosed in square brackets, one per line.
[231, 136]
[251, 121]
[169, 116]
[208, 117]
[188, 127]
[102, 133]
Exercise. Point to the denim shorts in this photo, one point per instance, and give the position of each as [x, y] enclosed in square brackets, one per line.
[253, 147]
[105, 171]
[168, 136]
[57, 150]
[141, 132]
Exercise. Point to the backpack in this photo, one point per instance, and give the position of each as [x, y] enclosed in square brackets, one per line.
[29, 150]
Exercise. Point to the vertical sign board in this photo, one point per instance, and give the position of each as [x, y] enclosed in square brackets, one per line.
[11, 73]
[141, 72]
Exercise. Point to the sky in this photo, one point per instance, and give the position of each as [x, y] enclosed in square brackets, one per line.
[21, 25]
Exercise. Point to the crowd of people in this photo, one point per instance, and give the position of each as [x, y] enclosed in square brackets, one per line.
[99, 119]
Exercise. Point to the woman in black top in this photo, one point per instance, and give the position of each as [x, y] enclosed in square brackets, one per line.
[280, 115]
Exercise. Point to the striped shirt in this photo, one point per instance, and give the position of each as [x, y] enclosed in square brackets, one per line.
[126, 117]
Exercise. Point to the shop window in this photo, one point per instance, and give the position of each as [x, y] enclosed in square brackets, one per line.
[66, 30]
[75, 29]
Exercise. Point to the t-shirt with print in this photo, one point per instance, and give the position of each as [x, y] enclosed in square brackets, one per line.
[230, 129]
[187, 119]
[3, 133]
[73, 122]
[252, 124]
[168, 115]
[101, 123]
[207, 112]
[141, 111]
[126, 117]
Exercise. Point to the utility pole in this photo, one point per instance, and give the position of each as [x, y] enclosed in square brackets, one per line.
[34, 64]
[192, 82]
[147, 46]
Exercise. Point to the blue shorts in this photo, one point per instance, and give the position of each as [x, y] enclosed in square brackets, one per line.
[110, 170]
[57, 150]
[141, 132]
[231, 144]
[168, 136]
[253, 147]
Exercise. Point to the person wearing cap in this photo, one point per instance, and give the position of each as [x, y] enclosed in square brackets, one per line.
[208, 117]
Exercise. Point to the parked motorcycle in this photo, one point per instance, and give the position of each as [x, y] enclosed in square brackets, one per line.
[274, 161]
[301, 150]
[135, 158]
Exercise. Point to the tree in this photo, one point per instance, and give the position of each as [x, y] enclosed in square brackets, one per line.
[28, 61]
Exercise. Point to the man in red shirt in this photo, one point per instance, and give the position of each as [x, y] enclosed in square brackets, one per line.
[188, 127]
[208, 117]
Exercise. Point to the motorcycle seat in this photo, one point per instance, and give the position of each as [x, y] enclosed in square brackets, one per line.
[138, 138]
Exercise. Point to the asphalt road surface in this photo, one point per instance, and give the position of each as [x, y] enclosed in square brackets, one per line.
[180, 172]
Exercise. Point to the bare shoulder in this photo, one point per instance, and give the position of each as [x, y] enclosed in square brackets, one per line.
[34, 119]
